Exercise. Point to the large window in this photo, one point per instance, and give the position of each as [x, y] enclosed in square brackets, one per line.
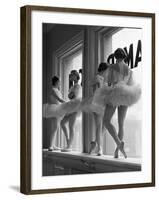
[109, 39]
[130, 40]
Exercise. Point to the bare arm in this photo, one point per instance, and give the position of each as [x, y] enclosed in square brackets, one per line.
[75, 91]
[127, 76]
[57, 97]
[96, 83]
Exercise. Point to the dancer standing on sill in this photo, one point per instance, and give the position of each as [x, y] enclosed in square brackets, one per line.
[54, 100]
[121, 91]
[99, 80]
[75, 92]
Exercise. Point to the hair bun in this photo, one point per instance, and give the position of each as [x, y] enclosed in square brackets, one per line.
[120, 53]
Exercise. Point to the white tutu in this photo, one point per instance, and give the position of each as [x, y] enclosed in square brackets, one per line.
[77, 105]
[59, 110]
[88, 106]
[120, 94]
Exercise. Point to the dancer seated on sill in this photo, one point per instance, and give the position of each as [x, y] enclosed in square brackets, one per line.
[75, 92]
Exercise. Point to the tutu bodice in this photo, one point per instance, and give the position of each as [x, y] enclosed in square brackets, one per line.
[100, 79]
[76, 91]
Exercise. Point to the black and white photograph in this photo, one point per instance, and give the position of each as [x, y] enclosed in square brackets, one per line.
[87, 117]
[92, 99]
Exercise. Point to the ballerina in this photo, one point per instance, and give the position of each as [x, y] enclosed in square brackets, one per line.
[57, 109]
[54, 100]
[121, 91]
[75, 92]
[99, 80]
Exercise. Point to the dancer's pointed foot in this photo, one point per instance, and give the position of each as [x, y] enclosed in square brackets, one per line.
[50, 149]
[54, 148]
[116, 153]
[92, 147]
[67, 149]
[99, 152]
[121, 148]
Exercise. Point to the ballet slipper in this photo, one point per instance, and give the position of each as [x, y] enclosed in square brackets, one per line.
[50, 149]
[54, 148]
[100, 152]
[121, 148]
[116, 155]
[93, 146]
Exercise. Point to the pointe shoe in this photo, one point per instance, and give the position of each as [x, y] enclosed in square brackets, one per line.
[121, 148]
[116, 153]
[99, 153]
[54, 148]
[50, 149]
[93, 146]
[67, 149]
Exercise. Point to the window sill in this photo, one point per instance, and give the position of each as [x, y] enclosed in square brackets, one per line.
[82, 162]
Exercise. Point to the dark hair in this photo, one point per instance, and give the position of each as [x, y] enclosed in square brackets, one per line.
[120, 53]
[55, 79]
[80, 71]
[102, 67]
[75, 72]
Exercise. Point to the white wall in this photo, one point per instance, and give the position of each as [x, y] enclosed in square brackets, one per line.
[9, 105]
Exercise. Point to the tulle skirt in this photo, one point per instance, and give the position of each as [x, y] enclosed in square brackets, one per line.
[90, 106]
[120, 94]
[60, 110]
[78, 105]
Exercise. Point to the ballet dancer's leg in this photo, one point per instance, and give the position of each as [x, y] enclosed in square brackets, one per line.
[72, 121]
[98, 132]
[122, 110]
[99, 125]
[54, 128]
[64, 128]
[109, 112]
[93, 144]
